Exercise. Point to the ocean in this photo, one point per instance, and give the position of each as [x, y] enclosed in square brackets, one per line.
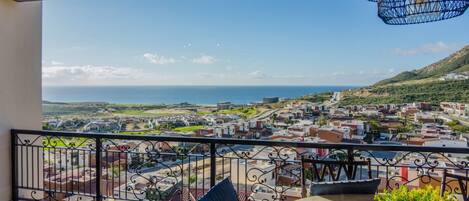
[178, 94]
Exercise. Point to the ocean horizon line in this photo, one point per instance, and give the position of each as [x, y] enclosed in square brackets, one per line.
[179, 94]
[354, 86]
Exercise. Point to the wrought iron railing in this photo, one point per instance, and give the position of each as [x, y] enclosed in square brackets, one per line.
[87, 166]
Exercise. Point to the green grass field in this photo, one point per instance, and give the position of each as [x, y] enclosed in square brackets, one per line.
[188, 128]
[140, 132]
[246, 112]
[133, 112]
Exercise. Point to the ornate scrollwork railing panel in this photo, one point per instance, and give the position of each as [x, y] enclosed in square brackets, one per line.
[78, 166]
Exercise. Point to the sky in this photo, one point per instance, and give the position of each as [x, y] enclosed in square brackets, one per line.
[234, 42]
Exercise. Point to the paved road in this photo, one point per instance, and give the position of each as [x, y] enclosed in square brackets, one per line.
[265, 115]
[448, 117]
[334, 99]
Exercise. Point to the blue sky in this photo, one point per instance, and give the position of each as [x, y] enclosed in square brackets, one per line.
[234, 42]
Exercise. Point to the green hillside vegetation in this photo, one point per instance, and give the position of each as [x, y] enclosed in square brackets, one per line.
[420, 85]
[434, 92]
[464, 68]
[455, 63]
[49, 108]
[246, 112]
[399, 78]
[319, 97]
[133, 112]
[134, 106]
[90, 108]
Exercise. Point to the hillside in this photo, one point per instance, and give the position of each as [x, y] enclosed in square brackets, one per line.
[421, 85]
[433, 92]
[455, 63]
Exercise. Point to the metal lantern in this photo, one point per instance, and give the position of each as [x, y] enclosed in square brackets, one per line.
[400, 12]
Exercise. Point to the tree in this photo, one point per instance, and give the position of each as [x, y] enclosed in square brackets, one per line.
[274, 117]
[192, 179]
[47, 126]
[289, 122]
[322, 120]
[136, 127]
[458, 127]
[374, 125]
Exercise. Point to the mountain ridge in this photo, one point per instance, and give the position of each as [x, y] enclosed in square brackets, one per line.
[420, 85]
[455, 63]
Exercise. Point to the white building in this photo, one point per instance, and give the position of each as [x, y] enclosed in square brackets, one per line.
[457, 109]
[454, 76]
[225, 130]
[456, 143]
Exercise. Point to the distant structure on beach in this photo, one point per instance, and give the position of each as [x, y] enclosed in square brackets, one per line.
[268, 100]
[224, 105]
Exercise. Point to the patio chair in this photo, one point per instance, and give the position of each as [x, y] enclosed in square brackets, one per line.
[368, 186]
[334, 177]
[223, 191]
[462, 182]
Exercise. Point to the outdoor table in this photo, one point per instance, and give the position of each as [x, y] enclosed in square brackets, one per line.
[343, 197]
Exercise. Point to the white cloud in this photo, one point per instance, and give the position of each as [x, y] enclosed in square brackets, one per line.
[88, 74]
[264, 76]
[204, 59]
[212, 75]
[339, 73]
[291, 77]
[55, 63]
[258, 75]
[429, 48]
[157, 59]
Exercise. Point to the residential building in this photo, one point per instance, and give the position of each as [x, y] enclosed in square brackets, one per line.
[457, 109]
[408, 112]
[455, 76]
[432, 130]
[425, 117]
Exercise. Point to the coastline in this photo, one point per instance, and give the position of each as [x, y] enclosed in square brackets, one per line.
[173, 95]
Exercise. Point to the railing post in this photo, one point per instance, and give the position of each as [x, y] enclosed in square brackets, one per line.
[14, 168]
[443, 183]
[213, 165]
[99, 196]
[350, 160]
[303, 177]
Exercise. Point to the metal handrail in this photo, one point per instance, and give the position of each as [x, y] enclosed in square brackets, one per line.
[370, 147]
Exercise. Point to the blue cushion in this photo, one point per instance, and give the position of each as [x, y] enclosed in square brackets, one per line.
[223, 191]
[369, 186]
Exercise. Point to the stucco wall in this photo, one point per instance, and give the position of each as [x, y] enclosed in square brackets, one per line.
[20, 76]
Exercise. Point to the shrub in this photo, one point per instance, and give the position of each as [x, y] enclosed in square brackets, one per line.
[422, 194]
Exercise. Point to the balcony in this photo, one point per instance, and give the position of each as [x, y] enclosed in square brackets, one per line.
[59, 166]
[87, 166]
